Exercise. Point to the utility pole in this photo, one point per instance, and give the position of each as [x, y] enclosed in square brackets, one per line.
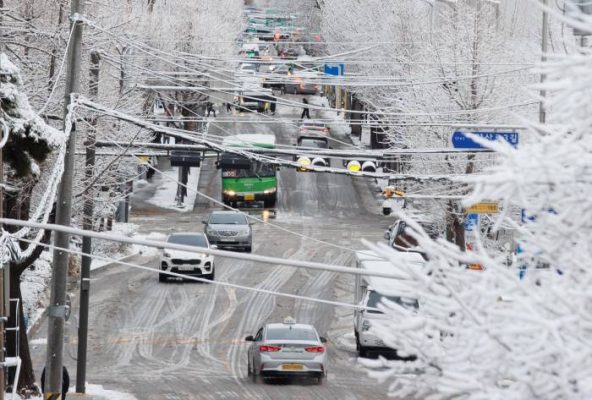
[87, 224]
[3, 268]
[544, 48]
[57, 307]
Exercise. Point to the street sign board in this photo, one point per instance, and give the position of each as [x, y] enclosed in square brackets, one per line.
[461, 141]
[471, 222]
[483, 208]
[334, 69]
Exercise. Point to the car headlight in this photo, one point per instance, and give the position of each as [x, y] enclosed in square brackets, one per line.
[230, 193]
[211, 232]
[270, 191]
[365, 325]
[166, 254]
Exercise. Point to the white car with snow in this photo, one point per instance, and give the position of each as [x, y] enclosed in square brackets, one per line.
[369, 294]
[187, 262]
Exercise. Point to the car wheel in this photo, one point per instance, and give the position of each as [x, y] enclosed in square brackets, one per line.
[162, 277]
[211, 275]
[320, 379]
[249, 372]
[254, 377]
[362, 352]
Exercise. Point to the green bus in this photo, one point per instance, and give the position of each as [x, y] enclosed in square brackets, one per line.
[248, 184]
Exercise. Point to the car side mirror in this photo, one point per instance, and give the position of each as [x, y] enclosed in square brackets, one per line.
[387, 235]
[249, 338]
[323, 339]
[204, 222]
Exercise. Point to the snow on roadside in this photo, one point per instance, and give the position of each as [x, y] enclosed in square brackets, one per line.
[94, 392]
[164, 196]
[111, 249]
[36, 279]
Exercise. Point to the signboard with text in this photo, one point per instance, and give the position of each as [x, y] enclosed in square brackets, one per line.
[461, 141]
[483, 208]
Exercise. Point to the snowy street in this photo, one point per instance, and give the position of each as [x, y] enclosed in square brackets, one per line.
[186, 338]
[310, 199]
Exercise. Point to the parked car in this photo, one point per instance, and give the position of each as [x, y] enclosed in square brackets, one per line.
[229, 229]
[369, 292]
[187, 262]
[398, 235]
[287, 349]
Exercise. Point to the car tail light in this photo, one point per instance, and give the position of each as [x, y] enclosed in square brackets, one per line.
[315, 349]
[265, 349]
[325, 130]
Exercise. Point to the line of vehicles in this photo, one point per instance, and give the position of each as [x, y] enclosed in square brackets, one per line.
[288, 348]
[272, 60]
[222, 229]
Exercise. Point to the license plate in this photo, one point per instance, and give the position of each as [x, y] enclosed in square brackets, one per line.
[226, 240]
[293, 350]
[249, 197]
[185, 268]
[292, 367]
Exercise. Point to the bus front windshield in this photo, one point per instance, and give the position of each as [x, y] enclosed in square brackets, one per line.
[257, 170]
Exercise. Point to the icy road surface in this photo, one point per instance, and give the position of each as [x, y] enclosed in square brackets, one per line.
[181, 341]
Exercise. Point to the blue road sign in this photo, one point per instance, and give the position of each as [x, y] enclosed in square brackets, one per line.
[334, 69]
[461, 141]
[471, 222]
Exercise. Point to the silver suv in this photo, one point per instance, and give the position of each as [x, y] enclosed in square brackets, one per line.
[229, 229]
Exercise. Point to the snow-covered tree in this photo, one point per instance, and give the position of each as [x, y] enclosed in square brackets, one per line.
[489, 334]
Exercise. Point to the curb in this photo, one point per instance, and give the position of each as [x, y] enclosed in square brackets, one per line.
[114, 262]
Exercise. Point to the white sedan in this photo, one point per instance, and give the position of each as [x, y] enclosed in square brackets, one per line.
[187, 262]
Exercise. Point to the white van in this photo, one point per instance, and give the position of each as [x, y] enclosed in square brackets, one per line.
[368, 294]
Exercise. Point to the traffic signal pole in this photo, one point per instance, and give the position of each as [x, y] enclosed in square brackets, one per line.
[87, 224]
[57, 307]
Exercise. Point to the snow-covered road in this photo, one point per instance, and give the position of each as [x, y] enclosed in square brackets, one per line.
[184, 340]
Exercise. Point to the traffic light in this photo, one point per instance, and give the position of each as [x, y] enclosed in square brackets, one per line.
[369, 166]
[304, 162]
[357, 166]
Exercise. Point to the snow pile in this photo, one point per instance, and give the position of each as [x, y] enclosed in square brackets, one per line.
[489, 334]
[96, 392]
[112, 249]
[167, 189]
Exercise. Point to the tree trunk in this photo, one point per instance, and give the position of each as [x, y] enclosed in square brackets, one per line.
[26, 383]
[455, 227]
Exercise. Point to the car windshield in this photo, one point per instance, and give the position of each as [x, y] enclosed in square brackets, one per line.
[189, 240]
[287, 333]
[376, 298]
[320, 144]
[249, 67]
[257, 170]
[228, 219]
